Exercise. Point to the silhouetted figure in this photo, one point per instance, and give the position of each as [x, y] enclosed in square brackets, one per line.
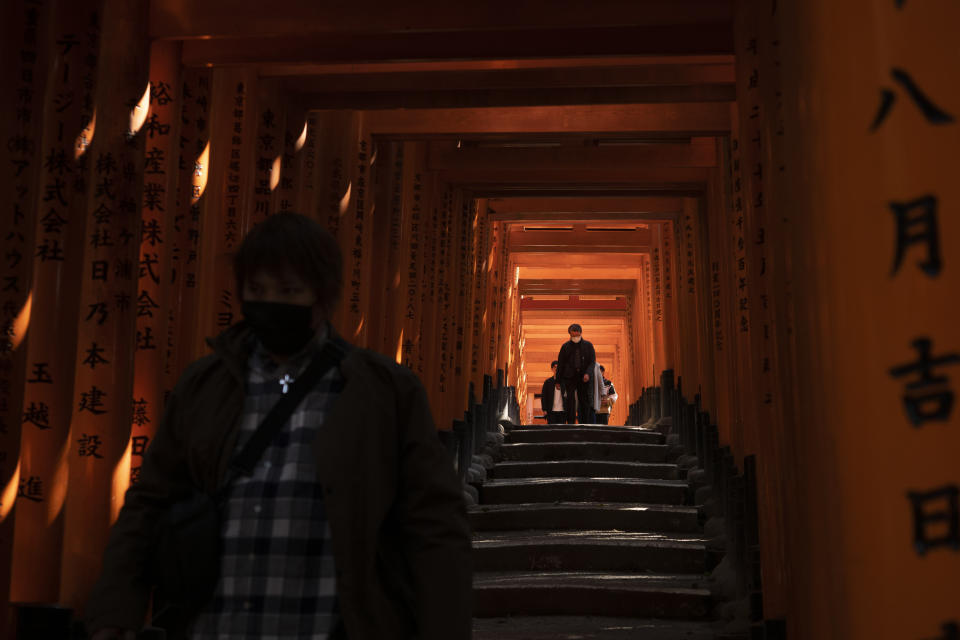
[575, 367]
[551, 398]
[350, 522]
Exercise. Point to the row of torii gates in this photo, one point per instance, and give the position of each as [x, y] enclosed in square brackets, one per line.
[707, 187]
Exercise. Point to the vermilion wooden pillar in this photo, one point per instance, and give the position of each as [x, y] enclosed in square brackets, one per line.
[872, 116]
[99, 455]
[226, 201]
[188, 227]
[412, 265]
[764, 425]
[26, 32]
[395, 227]
[60, 237]
[158, 206]
[723, 302]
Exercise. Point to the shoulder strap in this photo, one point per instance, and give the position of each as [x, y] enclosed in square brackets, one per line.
[330, 356]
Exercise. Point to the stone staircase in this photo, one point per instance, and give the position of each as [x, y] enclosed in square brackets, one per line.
[582, 534]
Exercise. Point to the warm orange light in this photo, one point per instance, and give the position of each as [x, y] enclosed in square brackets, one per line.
[275, 172]
[138, 115]
[85, 138]
[399, 356]
[9, 494]
[345, 200]
[22, 322]
[302, 140]
[57, 490]
[356, 333]
[200, 170]
[121, 481]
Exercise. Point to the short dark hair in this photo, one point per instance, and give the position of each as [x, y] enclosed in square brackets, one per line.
[554, 363]
[574, 327]
[601, 368]
[294, 241]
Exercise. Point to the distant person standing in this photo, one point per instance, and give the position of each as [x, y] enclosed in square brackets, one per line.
[551, 398]
[575, 368]
[608, 396]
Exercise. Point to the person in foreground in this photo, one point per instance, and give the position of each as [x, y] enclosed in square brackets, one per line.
[350, 524]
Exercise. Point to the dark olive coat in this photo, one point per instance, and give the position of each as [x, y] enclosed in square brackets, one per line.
[401, 537]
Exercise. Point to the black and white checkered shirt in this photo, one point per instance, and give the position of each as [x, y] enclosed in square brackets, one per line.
[277, 577]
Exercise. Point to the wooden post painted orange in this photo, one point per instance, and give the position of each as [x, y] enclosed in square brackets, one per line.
[308, 201]
[763, 428]
[723, 301]
[100, 427]
[59, 228]
[413, 177]
[26, 43]
[193, 189]
[853, 167]
[226, 202]
[394, 228]
[160, 173]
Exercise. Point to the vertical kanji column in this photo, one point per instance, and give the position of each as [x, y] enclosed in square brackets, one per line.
[193, 147]
[292, 174]
[270, 128]
[482, 244]
[100, 428]
[873, 115]
[413, 175]
[57, 257]
[394, 229]
[225, 207]
[158, 210]
[763, 424]
[465, 306]
[26, 40]
[724, 327]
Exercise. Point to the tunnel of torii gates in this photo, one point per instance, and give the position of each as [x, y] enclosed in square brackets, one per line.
[761, 199]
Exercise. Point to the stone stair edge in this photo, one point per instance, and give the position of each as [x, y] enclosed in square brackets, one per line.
[583, 506]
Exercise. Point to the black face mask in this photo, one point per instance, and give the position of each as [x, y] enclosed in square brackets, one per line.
[283, 329]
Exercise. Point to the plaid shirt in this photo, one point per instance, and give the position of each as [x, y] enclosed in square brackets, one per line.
[277, 571]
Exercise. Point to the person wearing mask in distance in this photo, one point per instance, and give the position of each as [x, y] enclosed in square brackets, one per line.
[551, 398]
[352, 524]
[575, 367]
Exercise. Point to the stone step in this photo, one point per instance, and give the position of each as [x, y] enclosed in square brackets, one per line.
[588, 628]
[585, 469]
[607, 451]
[585, 593]
[589, 551]
[585, 434]
[580, 515]
[549, 490]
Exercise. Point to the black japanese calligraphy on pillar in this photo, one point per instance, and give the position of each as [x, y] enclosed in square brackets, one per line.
[657, 286]
[936, 519]
[411, 337]
[232, 221]
[192, 166]
[355, 236]
[21, 152]
[268, 157]
[160, 173]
